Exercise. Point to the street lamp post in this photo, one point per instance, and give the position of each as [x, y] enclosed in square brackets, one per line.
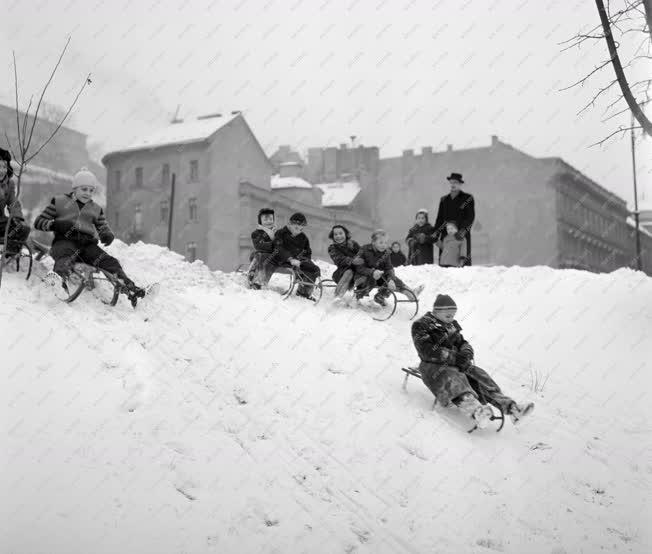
[636, 218]
[171, 215]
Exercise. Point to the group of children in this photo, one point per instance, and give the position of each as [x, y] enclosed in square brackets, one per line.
[422, 236]
[361, 268]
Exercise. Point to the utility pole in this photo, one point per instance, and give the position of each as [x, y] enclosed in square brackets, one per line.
[174, 178]
[636, 220]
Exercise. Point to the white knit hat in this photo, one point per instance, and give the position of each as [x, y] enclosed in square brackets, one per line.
[84, 178]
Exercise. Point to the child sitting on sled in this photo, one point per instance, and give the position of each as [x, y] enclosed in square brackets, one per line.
[447, 367]
[342, 251]
[77, 222]
[452, 250]
[292, 249]
[374, 269]
[263, 240]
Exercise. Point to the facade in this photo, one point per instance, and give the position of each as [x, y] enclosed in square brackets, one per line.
[222, 178]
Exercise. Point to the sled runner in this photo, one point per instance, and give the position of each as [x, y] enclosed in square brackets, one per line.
[22, 260]
[104, 285]
[416, 373]
[391, 299]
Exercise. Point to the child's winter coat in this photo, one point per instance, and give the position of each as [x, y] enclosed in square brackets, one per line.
[397, 258]
[343, 255]
[453, 251]
[420, 239]
[287, 246]
[88, 220]
[263, 239]
[8, 199]
[443, 352]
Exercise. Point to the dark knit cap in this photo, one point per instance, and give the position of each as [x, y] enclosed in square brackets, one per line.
[444, 302]
[264, 211]
[298, 218]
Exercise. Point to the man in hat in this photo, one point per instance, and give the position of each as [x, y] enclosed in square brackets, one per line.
[18, 231]
[77, 223]
[459, 207]
[447, 367]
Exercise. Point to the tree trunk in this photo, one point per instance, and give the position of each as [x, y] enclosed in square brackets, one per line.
[618, 68]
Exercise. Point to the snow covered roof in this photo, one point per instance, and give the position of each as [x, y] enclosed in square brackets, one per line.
[339, 193]
[278, 182]
[632, 223]
[195, 130]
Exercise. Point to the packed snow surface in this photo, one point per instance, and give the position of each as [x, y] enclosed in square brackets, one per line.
[218, 419]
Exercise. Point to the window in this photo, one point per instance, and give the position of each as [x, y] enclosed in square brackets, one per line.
[191, 251]
[139, 177]
[117, 177]
[165, 211]
[165, 175]
[192, 209]
[138, 218]
[194, 171]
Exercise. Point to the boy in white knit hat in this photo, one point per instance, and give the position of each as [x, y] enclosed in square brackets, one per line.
[77, 223]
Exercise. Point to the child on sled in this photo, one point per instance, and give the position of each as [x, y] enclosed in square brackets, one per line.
[447, 367]
[18, 230]
[342, 251]
[263, 240]
[292, 249]
[373, 268]
[77, 222]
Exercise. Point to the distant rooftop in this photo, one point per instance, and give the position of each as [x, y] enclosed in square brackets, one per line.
[278, 182]
[339, 194]
[182, 132]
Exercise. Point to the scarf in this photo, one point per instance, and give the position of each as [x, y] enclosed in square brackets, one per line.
[270, 232]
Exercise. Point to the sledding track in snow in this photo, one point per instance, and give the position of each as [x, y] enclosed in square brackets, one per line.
[219, 419]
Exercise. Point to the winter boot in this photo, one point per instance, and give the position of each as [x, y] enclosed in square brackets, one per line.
[418, 290]
[58, 285]
[380, 299]
[518, 411]
[470, 406]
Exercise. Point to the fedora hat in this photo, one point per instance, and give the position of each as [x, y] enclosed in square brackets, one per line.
[455, 177]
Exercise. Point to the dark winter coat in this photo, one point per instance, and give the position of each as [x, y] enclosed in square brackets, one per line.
[372, 260]
[286, 246]
[397, 258]
[8, 198]
[89, 220]
[460, 209]
[342, 255]
[445, 355]
[420, 238]
[263, 239]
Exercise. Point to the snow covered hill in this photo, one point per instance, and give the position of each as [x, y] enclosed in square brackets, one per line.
[218, 419]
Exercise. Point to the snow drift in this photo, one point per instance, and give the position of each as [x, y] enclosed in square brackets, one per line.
[218, 419]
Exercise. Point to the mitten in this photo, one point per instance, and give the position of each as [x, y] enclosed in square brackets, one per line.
[421, 237]
[107, 239]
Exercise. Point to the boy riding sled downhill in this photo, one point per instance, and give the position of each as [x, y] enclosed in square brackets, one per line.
[77, 222]
[447, 367]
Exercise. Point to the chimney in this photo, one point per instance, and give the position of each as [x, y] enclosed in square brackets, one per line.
[449, 148]
[290, 169]
[407, 153]
[426, 150]
[494, 140]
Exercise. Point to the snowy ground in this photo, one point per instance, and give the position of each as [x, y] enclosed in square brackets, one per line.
[219, 419]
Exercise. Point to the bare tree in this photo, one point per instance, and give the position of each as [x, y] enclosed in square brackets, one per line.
[632, 19]
[24, 152]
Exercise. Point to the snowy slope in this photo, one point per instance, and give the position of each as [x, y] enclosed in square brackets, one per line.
[219, 419]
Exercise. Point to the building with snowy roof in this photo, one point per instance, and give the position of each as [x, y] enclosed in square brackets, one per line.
[222, 178]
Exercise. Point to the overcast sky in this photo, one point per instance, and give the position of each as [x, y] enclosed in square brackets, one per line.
[398, 74]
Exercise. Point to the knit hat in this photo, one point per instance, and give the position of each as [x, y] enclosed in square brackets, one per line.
[444, 302]
[84, 178]
[264, 211]
[298, 218]
[6, 156]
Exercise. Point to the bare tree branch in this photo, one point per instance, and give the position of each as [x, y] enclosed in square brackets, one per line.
[620, 74]
[581, 81]
[619, 130]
